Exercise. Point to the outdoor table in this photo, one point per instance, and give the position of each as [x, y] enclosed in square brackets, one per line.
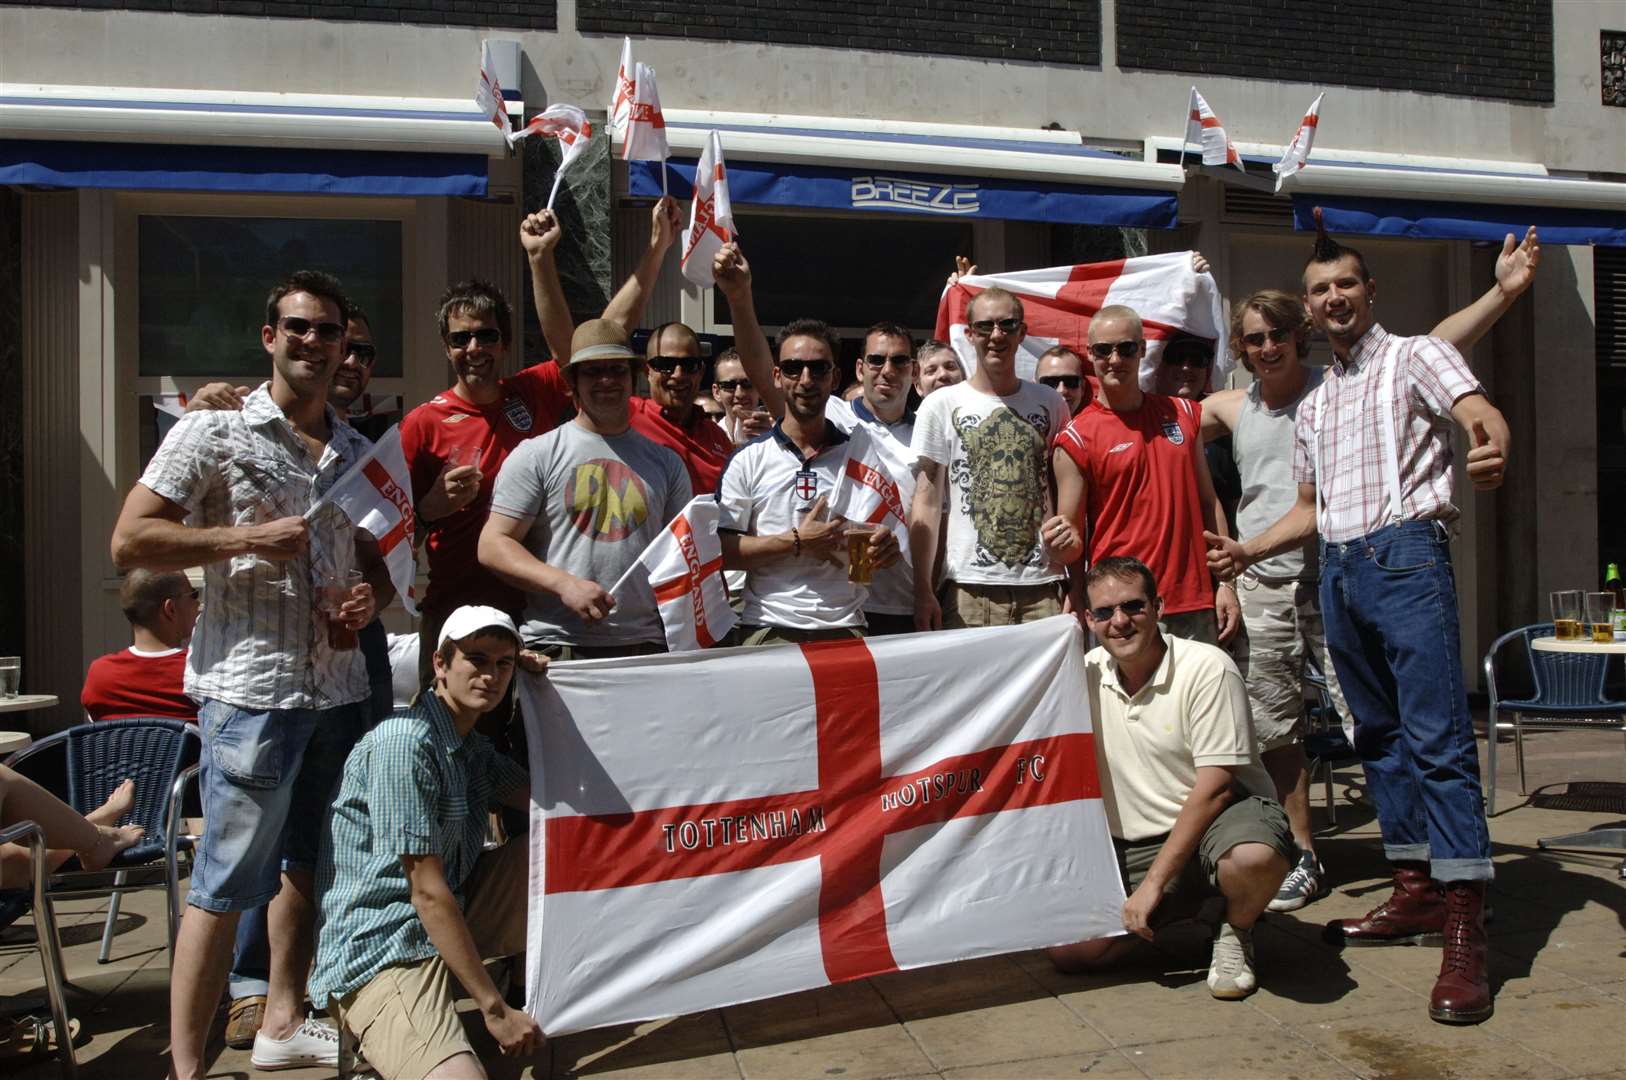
[13, 741]
[1611, 838]
[25, 702]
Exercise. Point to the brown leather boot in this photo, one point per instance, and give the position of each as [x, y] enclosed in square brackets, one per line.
[1414, 914]
[1462, 992]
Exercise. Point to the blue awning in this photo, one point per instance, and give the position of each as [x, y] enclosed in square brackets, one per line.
[245, 169]
[769, 183]
[1488, 222]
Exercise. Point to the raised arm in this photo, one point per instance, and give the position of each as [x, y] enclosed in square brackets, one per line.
[539, 235]
[733, 276]
[627, 306]
[1515, 270]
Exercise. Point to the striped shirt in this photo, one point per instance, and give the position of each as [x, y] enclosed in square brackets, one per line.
[260, 642]
[411, 786]
[1343, 421]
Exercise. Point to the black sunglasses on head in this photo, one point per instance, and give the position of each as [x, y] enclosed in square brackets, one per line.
[326, 332]
[1279, 335]
[486, 335]
[792, 369]
[732, 385]
[1131, 608]
[1187, 358]
[1103, 350]
[668, 364]
[897, 360]
[1071, 382]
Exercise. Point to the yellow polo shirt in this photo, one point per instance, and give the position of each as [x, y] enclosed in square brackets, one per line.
[1192, 712]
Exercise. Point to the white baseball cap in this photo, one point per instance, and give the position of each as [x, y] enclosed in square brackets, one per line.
[471, 619]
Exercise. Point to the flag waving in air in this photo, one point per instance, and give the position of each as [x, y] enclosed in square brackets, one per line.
[684, 569]
[1171, 298]
[376, 495]
[711, 220]
[621, 96]
[570, 126]
[488, 95]
[1205, 129]
[1298, 151]
[645, 136]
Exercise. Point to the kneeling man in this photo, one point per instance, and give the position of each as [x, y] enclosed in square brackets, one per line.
[1187, 799]
[408, 901]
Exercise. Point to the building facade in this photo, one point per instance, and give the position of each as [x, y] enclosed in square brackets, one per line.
[162, 161]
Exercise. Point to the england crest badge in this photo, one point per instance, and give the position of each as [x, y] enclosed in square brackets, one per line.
[807, 487]
[1172, 432]
[518, 415]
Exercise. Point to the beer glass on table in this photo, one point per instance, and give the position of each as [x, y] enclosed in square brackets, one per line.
[11, 675]
[1600, 616]
[336, 590]
[1567, 614]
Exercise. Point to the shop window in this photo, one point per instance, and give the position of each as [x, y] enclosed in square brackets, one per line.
[203, 283]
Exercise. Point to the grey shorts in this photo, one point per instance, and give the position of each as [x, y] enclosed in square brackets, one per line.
[1251, 820]
[1284, 624]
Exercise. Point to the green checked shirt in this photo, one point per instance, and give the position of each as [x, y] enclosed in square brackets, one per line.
[411, 787]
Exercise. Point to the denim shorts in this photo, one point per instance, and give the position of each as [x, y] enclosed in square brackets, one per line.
[256, 766]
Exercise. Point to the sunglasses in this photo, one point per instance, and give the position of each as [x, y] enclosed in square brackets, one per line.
[691, 365]
[363, 352]
[1103, 350]
[899, 361]
[985, 327]
[486, 335]
[1071, 382]
[1130, 608]
[1278, 336]
[731, 385]
[792, 369]
[1187, 359]
[192, 593]
[326, 332]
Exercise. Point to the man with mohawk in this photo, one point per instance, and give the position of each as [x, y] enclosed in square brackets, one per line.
[1372, 462]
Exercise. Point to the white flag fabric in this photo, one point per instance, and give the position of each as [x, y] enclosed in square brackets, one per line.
[1205, 129]
[645, 136]
[877, 483]
[1298, 151]
[711, 220]
[488, 95]
[621, 95]
[567, 123]
[1059, 302]
[376, 495]
[715, 827]
[685, 568]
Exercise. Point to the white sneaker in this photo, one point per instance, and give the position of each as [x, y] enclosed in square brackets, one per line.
[1230, 973]
[313, 1043]
[1303, 884]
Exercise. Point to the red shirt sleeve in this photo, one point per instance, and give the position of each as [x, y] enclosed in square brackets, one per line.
[546, 393]
[417, 448]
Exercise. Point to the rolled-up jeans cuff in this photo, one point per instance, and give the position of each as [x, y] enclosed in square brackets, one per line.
[244, 988]
[1447, 870]
[1406, 852]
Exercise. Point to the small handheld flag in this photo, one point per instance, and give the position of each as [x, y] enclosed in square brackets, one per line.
[711, 219]
[1205, 129]
[1298, 151]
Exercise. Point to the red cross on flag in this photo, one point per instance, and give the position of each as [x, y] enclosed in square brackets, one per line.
[570, 126]
[711, 220]
[1298, 151]
[1205, 129]
[645, 136]
[376, 495]
[1059, 302]
[715, 827]
[621, 95]
[877, 483]
[684, 568]
[488, 95]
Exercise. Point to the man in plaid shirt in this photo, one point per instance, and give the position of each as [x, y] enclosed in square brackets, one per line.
[1373, 467]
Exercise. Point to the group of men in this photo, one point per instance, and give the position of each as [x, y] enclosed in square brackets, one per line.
[1083, 492]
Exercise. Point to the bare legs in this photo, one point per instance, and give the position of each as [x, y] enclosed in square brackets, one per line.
[93, 837]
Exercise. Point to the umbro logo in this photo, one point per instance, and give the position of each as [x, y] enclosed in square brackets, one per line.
[455, 418]
[1121, 447]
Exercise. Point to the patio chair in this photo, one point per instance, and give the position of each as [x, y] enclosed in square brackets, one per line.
[1325, 745]
[1567, 691]
[161, 756]
[45, 937]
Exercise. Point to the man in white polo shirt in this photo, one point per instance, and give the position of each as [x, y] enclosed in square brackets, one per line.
[1187, 799]
[774, 496]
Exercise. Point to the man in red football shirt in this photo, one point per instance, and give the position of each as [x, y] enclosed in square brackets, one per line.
[145, 679]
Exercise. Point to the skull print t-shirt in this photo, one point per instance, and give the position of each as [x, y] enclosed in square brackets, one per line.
[996, 457]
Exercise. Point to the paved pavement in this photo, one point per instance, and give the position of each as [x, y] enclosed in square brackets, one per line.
[1557, 952]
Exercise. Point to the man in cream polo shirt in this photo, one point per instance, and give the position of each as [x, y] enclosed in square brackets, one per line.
[1187, 799]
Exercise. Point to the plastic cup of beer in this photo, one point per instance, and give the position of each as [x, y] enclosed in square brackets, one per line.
[858, 563]
[336, 589]
[11, 675]
[1567, 614]
[1600, 608]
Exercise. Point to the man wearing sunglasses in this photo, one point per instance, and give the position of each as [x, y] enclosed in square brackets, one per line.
[1184, 371]
[1061, 369]
[279, 704]
[349, 393]
[744, 416]
[774, 499]
[669, 415]
[1131, 466]
[1187, 800]
[986, 443]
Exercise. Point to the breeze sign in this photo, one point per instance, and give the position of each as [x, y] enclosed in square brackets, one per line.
[921, 196]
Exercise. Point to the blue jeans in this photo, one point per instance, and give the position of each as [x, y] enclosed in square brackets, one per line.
[1389, 605]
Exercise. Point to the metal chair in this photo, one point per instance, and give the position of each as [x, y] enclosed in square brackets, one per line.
[161, 756]
[50, 946]
[1325, 745]
[1567, 692]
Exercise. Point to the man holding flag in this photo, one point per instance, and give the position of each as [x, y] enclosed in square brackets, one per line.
[281, 699]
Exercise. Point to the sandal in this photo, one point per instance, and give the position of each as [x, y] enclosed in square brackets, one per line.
[33, 1036]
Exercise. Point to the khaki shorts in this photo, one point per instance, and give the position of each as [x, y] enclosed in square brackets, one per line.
[999, 605]
[405, 1018]
[1200, 626]
[783, 635]
[1251, 820]
[1284, 623]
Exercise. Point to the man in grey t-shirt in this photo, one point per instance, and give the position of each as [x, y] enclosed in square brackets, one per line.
[574, 508]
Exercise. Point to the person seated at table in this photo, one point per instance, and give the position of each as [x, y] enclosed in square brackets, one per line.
[95, 837]
[408, 901]
[145, 679]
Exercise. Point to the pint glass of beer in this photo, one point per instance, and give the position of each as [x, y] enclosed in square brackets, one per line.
[858, 564]
[1567, 615]
[1600, 616]
[336, 590]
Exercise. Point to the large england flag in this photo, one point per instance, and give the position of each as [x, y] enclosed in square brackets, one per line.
[1060, 301]
[376, 495]
[716, 827]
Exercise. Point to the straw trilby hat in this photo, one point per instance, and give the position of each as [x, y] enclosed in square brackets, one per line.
[600, 339]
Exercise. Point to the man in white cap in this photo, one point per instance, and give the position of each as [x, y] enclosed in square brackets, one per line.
[408, 900]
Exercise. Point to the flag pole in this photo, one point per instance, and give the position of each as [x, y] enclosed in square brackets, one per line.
[663, 178]
[558, 177]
